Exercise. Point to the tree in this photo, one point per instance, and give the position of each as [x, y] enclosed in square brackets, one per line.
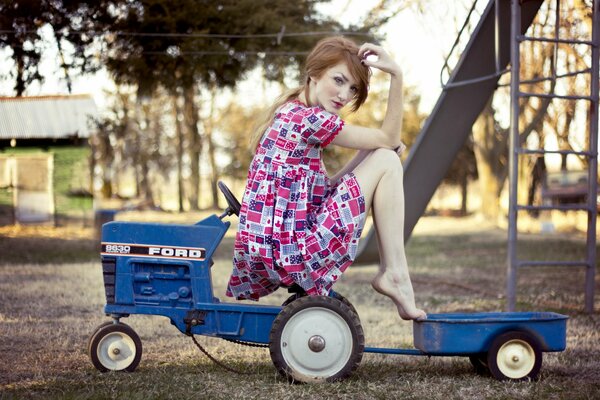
[490, 142]
[180, 46]
[134, 136]
[209, 124]
[175, 56]
[236, 133]
[180, 146]
[539, 119]
[19, 21]
[70, 23]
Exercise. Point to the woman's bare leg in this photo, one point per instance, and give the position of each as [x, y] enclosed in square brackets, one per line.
[380, 177]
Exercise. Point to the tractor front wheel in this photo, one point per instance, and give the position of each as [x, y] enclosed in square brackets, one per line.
[115, 347]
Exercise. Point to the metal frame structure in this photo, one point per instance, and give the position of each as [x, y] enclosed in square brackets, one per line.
[515, 150]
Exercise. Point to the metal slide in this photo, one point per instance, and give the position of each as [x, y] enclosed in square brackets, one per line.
[470, 86]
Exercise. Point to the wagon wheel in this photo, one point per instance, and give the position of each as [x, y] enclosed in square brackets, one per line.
[115, 347]
[479, 363]
[335, 295]
[316, 339]
[515, 356]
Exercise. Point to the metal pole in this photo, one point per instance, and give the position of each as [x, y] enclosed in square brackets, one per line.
[557, 38]
[593, 161]
[497, 36]
[511, 279]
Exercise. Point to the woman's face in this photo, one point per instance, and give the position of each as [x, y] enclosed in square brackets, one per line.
[334, 89]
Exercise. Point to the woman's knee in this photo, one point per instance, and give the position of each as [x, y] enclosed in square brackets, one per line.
[379, 163]
[388, 159]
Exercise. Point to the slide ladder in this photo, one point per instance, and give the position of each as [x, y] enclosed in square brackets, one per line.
[517, 149]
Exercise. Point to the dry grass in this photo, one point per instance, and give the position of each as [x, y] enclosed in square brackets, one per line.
[49, 307]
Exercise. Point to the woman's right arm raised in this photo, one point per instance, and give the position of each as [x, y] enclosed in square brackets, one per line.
[388, 136]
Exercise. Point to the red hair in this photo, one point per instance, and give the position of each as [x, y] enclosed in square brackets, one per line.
[332, 51]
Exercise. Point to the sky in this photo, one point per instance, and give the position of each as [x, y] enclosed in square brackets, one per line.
[417, 41]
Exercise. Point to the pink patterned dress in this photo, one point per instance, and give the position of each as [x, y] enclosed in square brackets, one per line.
[295, 226]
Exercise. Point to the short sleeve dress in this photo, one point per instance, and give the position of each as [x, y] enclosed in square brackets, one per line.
[295, 226]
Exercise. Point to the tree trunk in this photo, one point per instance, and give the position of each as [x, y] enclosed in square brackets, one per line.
[537, 180]
[64, 66]
[524, 174]
[214, 178]
[490, 147]
[146, 189]
[20, 81]
[191, 121]
[142, 170]
[490, 187]
[102, 155]
[208, 130]
[464, 186]
[180, 139]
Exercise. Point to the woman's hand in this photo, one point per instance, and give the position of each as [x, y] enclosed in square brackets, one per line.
[400, 149]
[383, 60]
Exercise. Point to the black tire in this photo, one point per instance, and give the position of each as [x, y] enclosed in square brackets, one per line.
[307, 326]
[115, 347]
[293, 297]
[515, 356]
[336, 295]
[96, 330]
[479, 363]
[344, 300]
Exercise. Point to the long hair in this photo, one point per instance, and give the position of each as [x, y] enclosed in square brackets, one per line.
[327, 53]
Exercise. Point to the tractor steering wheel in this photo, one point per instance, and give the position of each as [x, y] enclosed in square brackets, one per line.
[232, 203]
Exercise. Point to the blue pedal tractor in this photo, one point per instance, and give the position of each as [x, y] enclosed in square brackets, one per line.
[159, 269]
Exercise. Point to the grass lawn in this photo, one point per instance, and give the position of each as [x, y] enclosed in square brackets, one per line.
[51, 299]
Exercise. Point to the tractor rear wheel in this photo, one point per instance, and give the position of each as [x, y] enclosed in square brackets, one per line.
[335, 295]
[316, 339]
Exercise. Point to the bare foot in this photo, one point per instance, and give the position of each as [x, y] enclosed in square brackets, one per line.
[400, 291]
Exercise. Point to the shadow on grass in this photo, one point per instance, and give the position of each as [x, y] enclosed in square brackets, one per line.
[40, 250]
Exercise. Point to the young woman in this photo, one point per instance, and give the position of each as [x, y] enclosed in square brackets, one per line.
[299, 226]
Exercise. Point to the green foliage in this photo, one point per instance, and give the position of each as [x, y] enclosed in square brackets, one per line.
[5, 197]
[21, 17]
[176, 56]
[237, 129]
[155, 42]
[20, 21]
[71, 179]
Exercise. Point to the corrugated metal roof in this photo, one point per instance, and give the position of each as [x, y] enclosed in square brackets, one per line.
[46, 117]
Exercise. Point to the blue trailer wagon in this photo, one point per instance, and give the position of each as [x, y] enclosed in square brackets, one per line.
[160, 269]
